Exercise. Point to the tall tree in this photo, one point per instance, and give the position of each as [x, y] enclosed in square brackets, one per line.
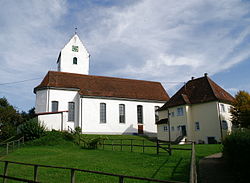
[28, 115]
[241, 109]
[9, 119]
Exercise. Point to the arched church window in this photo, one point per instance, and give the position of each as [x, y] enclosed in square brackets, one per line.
[74, 60]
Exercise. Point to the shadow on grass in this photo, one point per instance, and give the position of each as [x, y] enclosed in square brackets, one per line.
[181, 173]
[175, 168]
[158, 169]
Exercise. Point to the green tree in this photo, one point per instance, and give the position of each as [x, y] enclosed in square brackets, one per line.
[28, 115]
[241, 109]
[9, 119]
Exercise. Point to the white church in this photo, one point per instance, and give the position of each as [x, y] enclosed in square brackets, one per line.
[70, 98]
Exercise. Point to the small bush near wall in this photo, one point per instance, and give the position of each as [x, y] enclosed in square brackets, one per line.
[32, 129]
[52, 138]
[236, 150]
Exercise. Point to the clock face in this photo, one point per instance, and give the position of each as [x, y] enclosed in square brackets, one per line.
[75, 48]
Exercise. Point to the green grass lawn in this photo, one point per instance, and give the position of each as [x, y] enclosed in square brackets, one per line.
[148, 164]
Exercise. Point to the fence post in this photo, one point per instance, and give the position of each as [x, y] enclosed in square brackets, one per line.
[13, 145]
[112, 145]
[131, 145]
[5, 171]
[157, 146]
[169, 149]
[143, 146]
[121, 179]
[7, 148]
[72, 177]
[121, 144]
[35, 172]
[103, 144]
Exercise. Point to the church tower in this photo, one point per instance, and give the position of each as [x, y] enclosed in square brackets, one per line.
[74, 57]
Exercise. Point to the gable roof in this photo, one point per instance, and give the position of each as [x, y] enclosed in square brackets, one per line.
[162, 121]
[101, 86]
[196, 91]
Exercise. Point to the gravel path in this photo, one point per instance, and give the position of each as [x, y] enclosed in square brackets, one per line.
[213, 169]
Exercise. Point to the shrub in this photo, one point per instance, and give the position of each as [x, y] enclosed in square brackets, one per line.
[90, 143]
[236, 151]
[32, 129]
[53, 138]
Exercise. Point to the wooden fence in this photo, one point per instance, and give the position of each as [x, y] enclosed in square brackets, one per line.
[6, 148]
[193, 171]
[72, 171]
[158, 145]
[132, 143]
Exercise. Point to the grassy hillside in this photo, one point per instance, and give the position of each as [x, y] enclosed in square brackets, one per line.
[66, 153]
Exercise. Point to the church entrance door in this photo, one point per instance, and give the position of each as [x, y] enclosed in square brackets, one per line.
[140, 129]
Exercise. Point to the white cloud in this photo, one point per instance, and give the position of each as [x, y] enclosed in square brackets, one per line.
[166, 40]
[163, 40]
[29, 45]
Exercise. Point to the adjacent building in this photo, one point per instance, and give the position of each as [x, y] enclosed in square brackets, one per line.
[199, 111]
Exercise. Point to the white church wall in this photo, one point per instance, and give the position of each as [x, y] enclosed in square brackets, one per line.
[67, 55]
[63, 97]
[91, 116]
[41, 101]
[54, 121]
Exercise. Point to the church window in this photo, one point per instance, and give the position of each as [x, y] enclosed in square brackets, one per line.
[74, 60]
[71, 111]
[102, 113]
[54, 106]
[140, 114]
[122, 113]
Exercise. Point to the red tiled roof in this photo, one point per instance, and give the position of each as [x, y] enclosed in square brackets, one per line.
[196, 91]
[162, 121]
[101, 86]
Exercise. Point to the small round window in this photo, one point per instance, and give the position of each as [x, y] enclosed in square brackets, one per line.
[74, 60]
[224, 125]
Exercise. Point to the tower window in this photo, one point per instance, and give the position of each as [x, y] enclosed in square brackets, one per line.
[74, 60]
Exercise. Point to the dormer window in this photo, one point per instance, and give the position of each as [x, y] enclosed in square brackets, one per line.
[74, 60]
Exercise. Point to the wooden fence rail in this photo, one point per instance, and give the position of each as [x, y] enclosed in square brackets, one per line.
[11, 146]
[193, 171]
[72, 173]
[137, 143]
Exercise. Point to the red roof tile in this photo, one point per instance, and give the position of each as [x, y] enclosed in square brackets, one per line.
[198, 91]
[101, 86]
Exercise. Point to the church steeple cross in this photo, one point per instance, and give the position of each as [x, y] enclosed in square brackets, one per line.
[75, 30]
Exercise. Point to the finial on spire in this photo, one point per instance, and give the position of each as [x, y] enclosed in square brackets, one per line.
[75, 30]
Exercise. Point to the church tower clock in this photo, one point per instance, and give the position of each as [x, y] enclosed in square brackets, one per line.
[74, 57]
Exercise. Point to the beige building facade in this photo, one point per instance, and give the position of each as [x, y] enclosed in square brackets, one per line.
[196, 114]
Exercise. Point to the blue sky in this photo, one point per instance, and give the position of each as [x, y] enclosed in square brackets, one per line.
[165, 40]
